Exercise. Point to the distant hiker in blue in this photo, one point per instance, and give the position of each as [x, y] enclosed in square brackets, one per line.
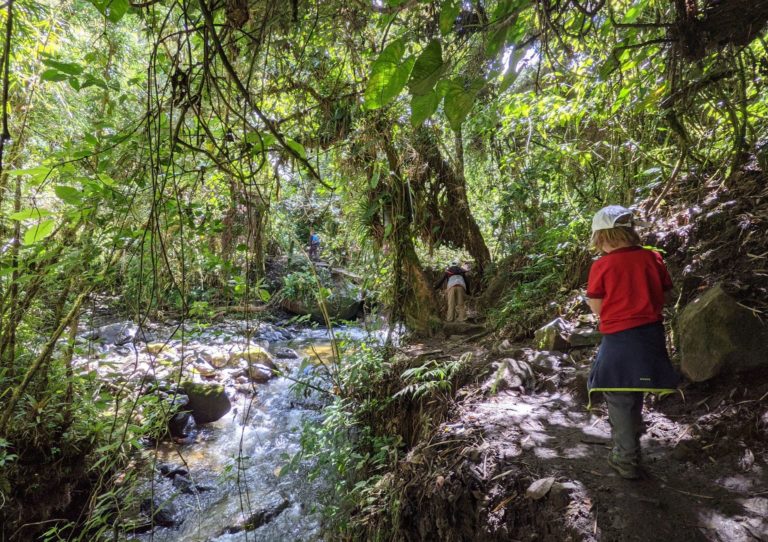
[627, 289]
[314, 244]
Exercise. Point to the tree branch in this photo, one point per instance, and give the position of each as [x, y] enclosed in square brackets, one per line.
[271, 126]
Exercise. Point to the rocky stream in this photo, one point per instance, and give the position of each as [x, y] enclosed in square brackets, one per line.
[235, 422]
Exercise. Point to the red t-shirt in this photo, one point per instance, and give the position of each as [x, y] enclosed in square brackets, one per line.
[631, 281]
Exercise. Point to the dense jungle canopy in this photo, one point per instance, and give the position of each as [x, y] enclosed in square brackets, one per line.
[161, 156]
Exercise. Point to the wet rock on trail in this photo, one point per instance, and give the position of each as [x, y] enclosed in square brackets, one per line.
[717, 334]
[552, 335]
[559, 335]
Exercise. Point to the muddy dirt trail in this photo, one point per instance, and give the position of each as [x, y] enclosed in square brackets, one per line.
[521, 458]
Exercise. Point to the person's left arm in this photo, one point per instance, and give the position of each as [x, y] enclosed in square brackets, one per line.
[595, 305]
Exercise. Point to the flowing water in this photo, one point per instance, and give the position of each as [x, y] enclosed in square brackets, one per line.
[234, 470]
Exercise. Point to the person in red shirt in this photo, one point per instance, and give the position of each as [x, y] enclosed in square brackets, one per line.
[627, 289]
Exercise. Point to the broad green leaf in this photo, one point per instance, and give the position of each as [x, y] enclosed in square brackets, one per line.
[68, 194]
[260, 142]
[74, 82]
[29, 213]
[297, 147]
[106, 179]
[423, 107]
[633, 13]
[375, 177]
[70, 68]
[608, 67]
[496, 42]
[448, 16]
[38, 232]
[388, 75]
[38, 174]
[53, 75]
[459, 101]
[116, 9]
[91, 81]
[427, 70]
[264, 295]
[112, 9]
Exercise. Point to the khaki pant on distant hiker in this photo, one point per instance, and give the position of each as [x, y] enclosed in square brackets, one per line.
[456, 307]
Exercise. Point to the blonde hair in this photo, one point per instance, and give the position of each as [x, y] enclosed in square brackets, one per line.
[622, 235]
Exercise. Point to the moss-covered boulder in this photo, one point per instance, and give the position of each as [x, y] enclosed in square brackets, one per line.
[207, 401]
[717, 334]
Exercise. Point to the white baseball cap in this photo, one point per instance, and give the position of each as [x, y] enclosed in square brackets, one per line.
[606, 218]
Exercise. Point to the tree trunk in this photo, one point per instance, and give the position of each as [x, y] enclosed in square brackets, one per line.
[414, 300]
[448, 220]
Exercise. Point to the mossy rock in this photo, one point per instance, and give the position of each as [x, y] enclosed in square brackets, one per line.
[207, 401]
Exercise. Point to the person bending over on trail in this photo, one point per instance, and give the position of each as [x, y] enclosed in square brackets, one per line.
[457, 289]
[314, 244]
[627, 289]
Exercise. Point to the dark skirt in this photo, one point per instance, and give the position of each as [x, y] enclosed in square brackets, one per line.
[635, 359]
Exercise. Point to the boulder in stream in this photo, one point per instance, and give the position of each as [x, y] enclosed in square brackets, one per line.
[260, 373]
[157, 348]
[119, 333]
[161, 513]
[207, 401]
[179, 423]
[261, 517]
[286, 353]
[253, 354]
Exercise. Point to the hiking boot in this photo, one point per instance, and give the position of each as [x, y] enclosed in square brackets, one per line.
[629, 470]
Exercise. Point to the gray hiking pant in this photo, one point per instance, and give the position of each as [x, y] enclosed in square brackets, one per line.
[625, 413]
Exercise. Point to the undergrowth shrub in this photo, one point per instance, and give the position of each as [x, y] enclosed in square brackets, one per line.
[534, 282]
[381, 406]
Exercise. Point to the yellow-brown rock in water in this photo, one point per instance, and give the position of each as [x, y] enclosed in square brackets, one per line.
[253, 354]
[159, 348]
[218, 360]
